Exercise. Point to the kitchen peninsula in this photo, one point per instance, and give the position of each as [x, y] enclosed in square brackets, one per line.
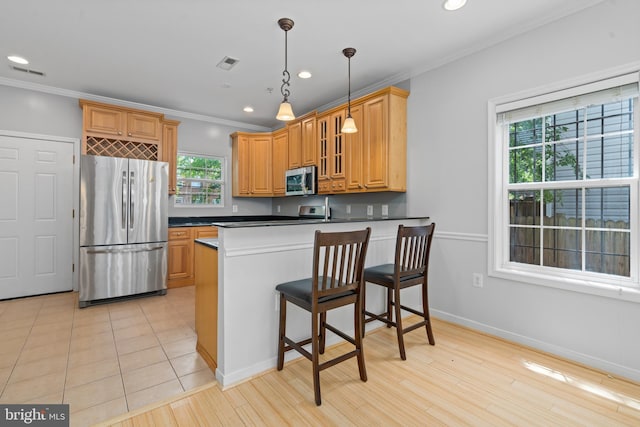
[252, 258]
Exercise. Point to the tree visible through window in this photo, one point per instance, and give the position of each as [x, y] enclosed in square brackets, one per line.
[200, 181]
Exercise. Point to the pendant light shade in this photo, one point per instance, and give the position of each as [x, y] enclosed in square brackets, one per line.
[349, 125]
[285, 113]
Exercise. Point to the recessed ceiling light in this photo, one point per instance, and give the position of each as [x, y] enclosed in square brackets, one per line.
[304, 74]
[17, 59]
[248, 109]
[453, 4]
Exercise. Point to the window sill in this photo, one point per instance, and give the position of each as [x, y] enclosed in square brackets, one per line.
[618, 292]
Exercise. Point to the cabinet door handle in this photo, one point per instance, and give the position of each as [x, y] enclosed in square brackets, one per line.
[119, 132]
[129, 133]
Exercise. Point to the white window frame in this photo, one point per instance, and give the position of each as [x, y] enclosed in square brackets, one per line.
[222, 181]
[498, 161]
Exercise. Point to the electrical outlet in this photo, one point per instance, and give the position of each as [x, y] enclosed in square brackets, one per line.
[385, 210]
[234, 208]
[477, 280]
[348, 209]
[369, 210]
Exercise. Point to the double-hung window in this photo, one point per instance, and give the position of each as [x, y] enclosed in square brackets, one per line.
[199, 181]
[564, 186]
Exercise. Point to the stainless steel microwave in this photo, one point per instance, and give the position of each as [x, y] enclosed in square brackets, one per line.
[300, 181]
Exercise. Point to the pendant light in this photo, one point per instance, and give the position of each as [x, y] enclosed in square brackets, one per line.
[349, 125]
[285, 113]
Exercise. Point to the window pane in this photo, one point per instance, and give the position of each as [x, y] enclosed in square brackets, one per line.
[562, 208]
[526, 132]
[609, 118]
[608, 252]
[562, 248]
[525, 245]
[567, 125]
[564, 161]
[524, 207]
[525, 165]
[610, 157]
[608, 207]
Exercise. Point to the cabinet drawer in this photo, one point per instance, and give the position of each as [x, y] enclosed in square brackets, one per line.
[180, 233]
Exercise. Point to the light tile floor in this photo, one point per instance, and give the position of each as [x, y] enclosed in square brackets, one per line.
[102, 360]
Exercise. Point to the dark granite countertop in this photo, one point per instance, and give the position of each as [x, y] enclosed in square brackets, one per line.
[198, 221]
[302, 221]
[269, 220]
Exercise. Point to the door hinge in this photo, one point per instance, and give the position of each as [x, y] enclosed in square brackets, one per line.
[74, 159]
[73, 268]
[73, 213]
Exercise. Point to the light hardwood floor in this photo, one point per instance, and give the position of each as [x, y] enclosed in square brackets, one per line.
[467, 378]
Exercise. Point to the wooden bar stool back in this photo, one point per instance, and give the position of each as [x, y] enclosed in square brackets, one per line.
[337, 280]
[411, 268]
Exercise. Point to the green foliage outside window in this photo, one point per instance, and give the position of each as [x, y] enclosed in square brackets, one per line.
[199, 181]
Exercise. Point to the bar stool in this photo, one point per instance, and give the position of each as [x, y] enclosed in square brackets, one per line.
[337, 279]
[411, 267]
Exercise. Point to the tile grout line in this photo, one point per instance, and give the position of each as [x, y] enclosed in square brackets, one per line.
[15, 363]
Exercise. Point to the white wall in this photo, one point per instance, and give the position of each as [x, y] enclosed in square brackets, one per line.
[447, 166]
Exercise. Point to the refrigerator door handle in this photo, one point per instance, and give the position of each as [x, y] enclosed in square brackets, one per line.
[121, 251]
[132, 203]
[124, 200]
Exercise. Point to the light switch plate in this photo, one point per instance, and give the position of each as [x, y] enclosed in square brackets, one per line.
[369, 210]
[385, 210]
[234, 208]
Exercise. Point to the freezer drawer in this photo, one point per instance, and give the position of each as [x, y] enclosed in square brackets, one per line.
[116, 271]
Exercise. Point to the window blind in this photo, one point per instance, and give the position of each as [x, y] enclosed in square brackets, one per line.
[602, 92]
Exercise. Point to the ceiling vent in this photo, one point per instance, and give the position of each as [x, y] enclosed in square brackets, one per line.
[27, 70]
[227, 63]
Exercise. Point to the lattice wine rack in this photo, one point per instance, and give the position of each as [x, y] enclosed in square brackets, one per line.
[120, 148]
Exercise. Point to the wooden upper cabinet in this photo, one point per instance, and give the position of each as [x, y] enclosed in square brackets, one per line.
[261, 165]
[295, 145]
[103, 120]
[303, 150]
[111, 121]
[384, 133]
[143, 126]
[372, 159]
[309, 150]
[331, 153]
[170, 150]
[280, 160]
[252, 168]
[114, 131]
[354, 154]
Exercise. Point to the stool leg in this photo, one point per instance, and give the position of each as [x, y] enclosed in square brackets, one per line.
[315, 357]
[358, 326]
[425, 312]
[281, 333]
[323, 331]
[363, 295]
[399, 330]
[389, 304]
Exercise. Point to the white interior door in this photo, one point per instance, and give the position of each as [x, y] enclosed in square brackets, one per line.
[36, 224]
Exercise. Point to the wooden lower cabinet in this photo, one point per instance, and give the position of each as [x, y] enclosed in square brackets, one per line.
[180, 257]
[206, 281]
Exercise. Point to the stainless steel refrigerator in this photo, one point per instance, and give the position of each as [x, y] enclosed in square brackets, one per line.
[123, 228]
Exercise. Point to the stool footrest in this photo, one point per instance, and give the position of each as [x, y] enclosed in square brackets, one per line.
[411, 310]
[340, 333]
[292, 345]
[338, 359]
[381, 317]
